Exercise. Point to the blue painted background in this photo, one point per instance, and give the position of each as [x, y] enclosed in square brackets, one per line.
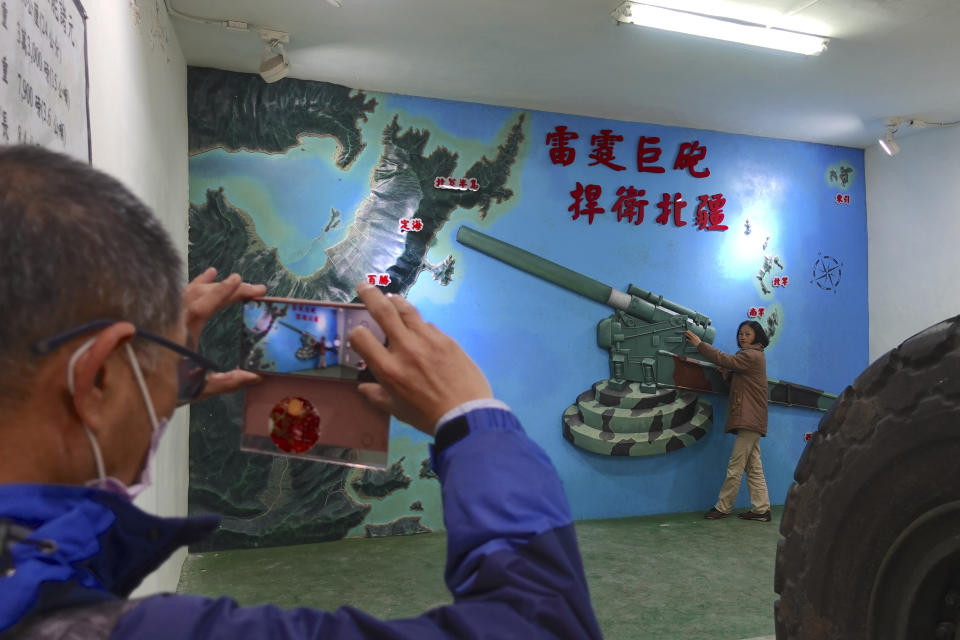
[537, 342]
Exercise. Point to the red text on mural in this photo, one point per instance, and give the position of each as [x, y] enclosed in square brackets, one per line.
[710, 212]
[672, 205]
[648, 156]
[379, 279]
[560, 152]
[629, 204]
[603, 149]
[410, 224]
[591, 193]
[689, 156]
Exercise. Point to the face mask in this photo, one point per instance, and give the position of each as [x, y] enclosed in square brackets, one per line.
[110, 483]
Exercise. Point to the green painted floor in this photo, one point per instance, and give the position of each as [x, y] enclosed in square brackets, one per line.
[651, 578]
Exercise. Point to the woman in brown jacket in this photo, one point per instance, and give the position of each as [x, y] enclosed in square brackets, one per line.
[746, 417]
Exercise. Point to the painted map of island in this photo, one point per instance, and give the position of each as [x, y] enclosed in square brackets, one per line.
[322, 250]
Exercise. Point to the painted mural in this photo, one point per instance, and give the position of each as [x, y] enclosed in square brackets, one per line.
[311, 187]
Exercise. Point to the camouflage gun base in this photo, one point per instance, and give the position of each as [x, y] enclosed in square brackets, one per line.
[631, 422]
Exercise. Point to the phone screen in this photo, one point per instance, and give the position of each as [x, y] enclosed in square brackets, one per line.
[304, 338]
[308, 405]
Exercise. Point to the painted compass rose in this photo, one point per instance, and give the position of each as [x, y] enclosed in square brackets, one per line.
[826, 273]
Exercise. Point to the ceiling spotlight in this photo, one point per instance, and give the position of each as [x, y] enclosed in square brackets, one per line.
[888, 144]
[274, 64]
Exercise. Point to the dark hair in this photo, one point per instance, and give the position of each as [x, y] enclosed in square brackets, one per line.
[75, 246]
[760, 336]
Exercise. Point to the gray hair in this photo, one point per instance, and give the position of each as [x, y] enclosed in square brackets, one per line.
[75, 246]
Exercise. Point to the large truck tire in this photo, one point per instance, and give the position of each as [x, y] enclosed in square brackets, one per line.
[871, 526]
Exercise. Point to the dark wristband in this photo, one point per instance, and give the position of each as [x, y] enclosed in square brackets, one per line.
[450, 433]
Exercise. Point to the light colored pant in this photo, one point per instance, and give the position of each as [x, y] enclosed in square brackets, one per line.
[745, 457]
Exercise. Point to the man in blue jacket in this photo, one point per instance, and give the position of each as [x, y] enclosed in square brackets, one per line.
[94, 356]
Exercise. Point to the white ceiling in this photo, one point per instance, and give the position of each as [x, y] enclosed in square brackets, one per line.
[885, 58]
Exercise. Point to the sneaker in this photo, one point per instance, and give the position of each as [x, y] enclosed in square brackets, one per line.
[714, 514]
[759, 517]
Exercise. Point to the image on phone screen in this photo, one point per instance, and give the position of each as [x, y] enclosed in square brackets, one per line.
[304, 338]
[308, 405]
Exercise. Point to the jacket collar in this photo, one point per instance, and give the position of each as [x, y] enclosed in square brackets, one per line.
[101, 543]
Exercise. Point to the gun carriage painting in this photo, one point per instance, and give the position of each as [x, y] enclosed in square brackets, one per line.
[650, 404]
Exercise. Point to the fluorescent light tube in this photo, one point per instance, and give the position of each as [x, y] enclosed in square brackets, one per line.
[645, 15]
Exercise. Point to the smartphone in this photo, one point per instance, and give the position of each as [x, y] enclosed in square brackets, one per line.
[308, 405]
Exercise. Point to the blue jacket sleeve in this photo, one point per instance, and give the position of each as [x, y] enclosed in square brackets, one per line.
[513, 564]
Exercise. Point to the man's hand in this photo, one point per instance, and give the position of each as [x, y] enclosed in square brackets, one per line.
[202, 298]
[227, 382]
[423, 373]
[692, 338]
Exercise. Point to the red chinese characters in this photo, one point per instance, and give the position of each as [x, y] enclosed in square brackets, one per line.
[781, 281]
[629, 204]
[674, 205]
[603, 149]
[379, 279]
[710, 212]
[689, 156]
[647, 156]
[410, 224]
[560, 152]
[306, 312]
[591, 193]
[756, 312]
[843, 198]
[457, 184]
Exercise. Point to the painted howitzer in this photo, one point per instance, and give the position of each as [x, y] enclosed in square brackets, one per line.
[649, 405]
[310, 345]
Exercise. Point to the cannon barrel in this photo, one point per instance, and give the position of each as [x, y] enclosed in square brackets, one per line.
[648, 307]
[660, 301]
[303, 333]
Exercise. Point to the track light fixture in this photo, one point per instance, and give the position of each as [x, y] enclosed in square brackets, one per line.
[888, 144]
[274, 64]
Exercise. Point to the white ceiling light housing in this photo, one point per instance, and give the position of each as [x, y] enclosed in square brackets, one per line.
[888, 144]
[696, 24]
[274, 67]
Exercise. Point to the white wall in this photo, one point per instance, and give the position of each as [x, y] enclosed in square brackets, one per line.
[138, 115]
[913, 229]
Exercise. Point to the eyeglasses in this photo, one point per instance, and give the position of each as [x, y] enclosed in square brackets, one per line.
[191, 370]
